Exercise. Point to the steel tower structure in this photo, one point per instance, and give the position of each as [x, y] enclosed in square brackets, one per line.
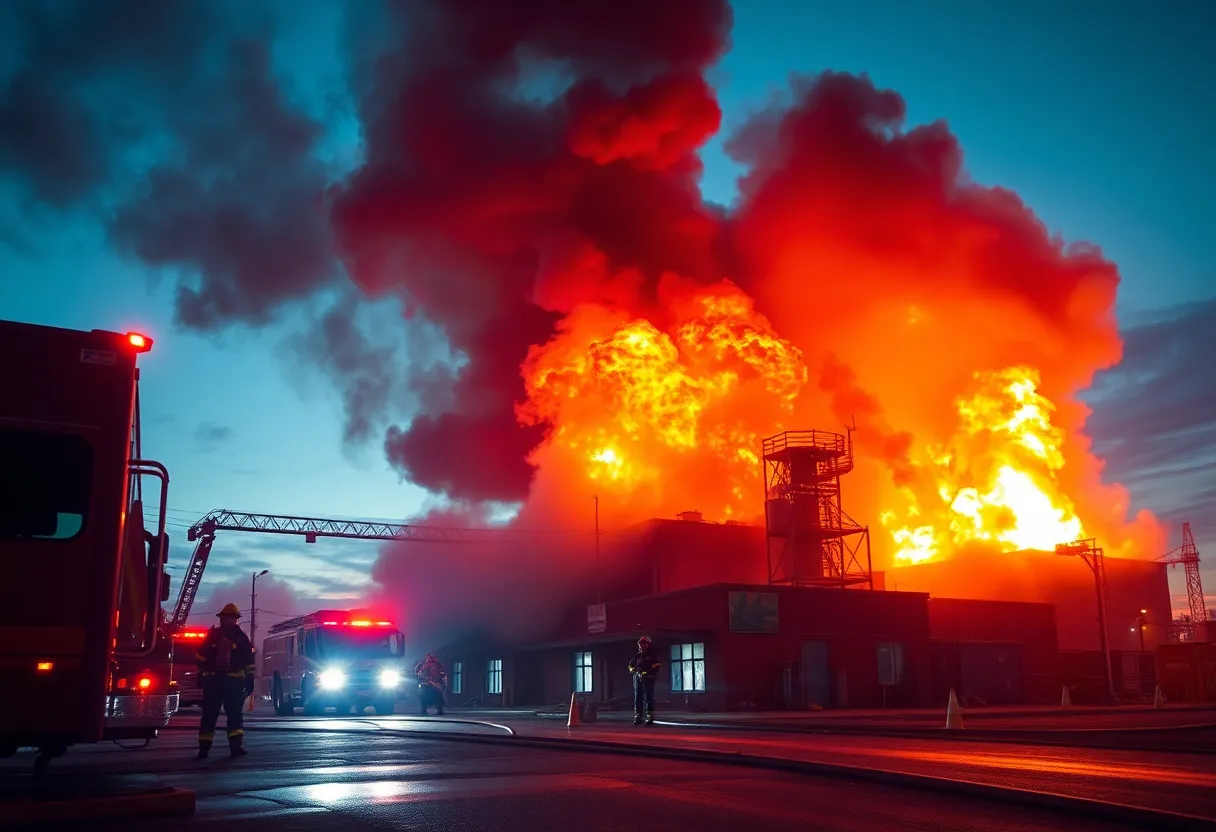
[811, 540]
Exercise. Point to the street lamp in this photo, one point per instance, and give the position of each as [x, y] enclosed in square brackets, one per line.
[1142, 625]
[1091, 554]
[253, 620]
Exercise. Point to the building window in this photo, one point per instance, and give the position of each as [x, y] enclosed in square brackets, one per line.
[494, 676]
[688, 668]
[582, 673]
[455, 684]
[890, 663]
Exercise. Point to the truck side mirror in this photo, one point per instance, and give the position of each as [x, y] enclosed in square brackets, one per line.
[164, 587]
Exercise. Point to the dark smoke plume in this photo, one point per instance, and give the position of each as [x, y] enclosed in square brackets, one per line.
[470, 189]
[168, 119]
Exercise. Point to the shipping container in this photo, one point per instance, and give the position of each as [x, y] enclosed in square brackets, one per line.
[1187, 672]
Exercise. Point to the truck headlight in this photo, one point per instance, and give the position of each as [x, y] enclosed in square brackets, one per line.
[390, 678]
[332, 679]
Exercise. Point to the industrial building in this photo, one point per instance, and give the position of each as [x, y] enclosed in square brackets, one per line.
[790, 615]
[742, 647]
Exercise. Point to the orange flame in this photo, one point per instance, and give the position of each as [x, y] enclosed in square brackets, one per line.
[636, 403]
[994, 481]
[668, 418]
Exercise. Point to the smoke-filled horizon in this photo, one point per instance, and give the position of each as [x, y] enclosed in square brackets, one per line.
[581, 321]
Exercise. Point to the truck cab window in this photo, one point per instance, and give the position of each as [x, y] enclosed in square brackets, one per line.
[45, 484]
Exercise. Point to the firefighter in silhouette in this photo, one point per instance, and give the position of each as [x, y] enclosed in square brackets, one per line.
[225, 672]
[645, 668]
[432, 682]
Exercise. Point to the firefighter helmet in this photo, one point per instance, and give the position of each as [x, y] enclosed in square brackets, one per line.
[645, 640]
[229, 609]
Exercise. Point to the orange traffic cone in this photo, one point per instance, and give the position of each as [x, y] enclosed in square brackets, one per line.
[1065, 699]
[573, 720]
[954, 714]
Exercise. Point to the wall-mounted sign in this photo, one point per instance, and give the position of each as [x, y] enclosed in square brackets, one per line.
[753, 612]
[597, 618]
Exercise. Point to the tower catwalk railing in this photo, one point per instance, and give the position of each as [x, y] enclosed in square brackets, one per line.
[811, 540]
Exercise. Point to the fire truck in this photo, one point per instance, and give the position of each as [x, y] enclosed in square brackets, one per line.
[333, 659]
[87, 578]
[183, 669]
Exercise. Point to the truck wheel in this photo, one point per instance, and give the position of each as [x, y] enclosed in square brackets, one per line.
[282, 705]
[384, 707]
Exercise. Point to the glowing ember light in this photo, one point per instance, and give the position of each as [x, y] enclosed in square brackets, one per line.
[995, 481]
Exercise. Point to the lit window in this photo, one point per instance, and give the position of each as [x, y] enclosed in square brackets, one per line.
[454, 683]
[688, 668]
[890, 663]
[494, 676]
[582, 673]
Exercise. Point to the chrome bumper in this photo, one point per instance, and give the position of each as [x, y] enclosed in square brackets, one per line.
[147, 710]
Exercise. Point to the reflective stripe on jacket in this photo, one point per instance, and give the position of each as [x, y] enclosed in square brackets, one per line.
[645, 664]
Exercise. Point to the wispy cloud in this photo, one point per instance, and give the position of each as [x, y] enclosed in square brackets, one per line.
[1154, 422]
[209, 436]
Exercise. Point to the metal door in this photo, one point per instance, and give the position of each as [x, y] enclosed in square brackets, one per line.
[816, 676]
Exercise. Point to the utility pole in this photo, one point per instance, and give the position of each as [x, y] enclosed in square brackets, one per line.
[597, 548]
[253, 620]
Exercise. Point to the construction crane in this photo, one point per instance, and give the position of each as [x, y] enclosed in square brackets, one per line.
[202, 535]
[1188, 555]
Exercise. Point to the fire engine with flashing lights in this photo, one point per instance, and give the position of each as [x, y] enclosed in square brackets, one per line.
[85, 602]
[333, 659]
[183, 668]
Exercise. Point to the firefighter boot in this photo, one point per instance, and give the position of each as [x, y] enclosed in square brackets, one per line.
[204, 748]
[236, 747]
[637, 718]
[650, 717]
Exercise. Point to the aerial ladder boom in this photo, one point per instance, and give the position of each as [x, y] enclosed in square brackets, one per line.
[202, 534]
[1188, 555]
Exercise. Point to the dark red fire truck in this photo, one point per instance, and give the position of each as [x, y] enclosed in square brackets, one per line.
[80, 603]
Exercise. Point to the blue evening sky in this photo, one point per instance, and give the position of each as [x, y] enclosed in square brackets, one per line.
[1098, 114]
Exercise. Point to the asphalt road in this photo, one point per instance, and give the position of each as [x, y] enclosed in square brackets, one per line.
[379, 779]
[1157, 780]
[1036, 718]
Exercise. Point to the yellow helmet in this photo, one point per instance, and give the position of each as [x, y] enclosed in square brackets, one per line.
[229, 609]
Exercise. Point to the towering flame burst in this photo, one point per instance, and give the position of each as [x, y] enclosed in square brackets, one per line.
[634, 402]
[995, 480]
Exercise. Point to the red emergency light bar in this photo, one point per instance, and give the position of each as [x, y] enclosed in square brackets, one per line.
[358, 622]
[193, 633]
